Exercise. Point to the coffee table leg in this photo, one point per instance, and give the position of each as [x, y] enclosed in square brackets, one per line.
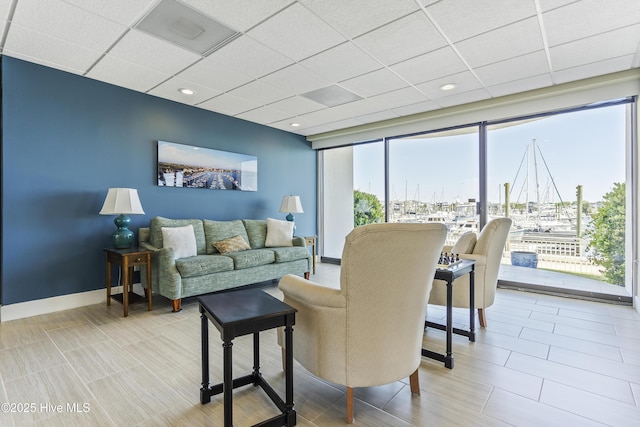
[448, 360]
[205, 397]
[227, 384]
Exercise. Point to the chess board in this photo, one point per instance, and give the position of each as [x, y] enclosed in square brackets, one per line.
[452, 264]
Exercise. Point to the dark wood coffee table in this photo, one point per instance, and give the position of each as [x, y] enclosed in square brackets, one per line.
[243, 312]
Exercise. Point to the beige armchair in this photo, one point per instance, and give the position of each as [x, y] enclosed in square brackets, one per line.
[369, 331]
[487, 252]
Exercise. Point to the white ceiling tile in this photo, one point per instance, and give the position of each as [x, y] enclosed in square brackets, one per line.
[239, 14]
[587, 18]
[463, 98]
[319, 117]
[521, 67]
[214, 74]
[355, 17]
[396, 41]
[151, 52]
[250, 56]
[597, 48]
[263, 115]
[67, 22]
[430, 66]
[170, 90]
[374, 83]
[360, 108]
[594, 69]
[328, 127]
[399, 98]
[461, 19]
[546, 5]
[229, 104]
[296, 105]
[260, 92]
[377, 117]
[312, 35]
[126, 74]
[296, 79]
[353, 62]
[419, 107]
[523, 85]
[43, 49]
[303, 123]
[464, 82]
[125, 12]
[506, 42]
[5, 8]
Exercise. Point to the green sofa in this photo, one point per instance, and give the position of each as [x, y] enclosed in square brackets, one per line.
[210, 270]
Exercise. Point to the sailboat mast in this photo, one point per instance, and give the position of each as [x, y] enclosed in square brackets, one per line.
[535, 166]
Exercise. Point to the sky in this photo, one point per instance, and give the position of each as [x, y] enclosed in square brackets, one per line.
[197, 156]
[581, 148]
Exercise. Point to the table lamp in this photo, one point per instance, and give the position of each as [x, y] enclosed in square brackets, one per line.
[122, 202]
[292, 205]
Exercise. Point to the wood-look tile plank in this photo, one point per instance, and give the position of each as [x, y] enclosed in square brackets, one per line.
[46, 389]
[76, 336]
[27, 359]
[100, 360]
[598, 337]
[493, 316]
[589, 405]
[611, 368]
[571, 343]
[605, 328]
[519, 411]
[571, 376]
[514, 344]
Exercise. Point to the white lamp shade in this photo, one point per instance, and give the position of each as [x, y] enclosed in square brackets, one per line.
[291, 204]
[121, 201]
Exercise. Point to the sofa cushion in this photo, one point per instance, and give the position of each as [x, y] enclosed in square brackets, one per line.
[216, 231]
[256, 231]
[290, 254]
[155, 235]
[252, 258]
[279, 233]
[181, 239]
[232, 244]
[203, 264]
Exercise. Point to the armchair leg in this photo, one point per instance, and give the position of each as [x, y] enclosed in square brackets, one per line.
[349, 405]
[482, 318]
[176, 305]
[306, 275]
[414, 383]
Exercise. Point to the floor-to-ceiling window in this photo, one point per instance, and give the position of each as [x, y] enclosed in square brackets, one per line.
[540, 170]
[433, 177]
[562, 179]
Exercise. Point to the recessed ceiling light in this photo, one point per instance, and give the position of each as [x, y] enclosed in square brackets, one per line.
[295, 125]
[448, 86]
[186, 91]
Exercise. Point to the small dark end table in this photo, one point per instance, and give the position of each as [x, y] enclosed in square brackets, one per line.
[242, 312]
[449, 275]
[127, 259]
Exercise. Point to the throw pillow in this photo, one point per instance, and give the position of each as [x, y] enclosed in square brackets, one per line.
[465, 243]
[181, 239]
[279, 233]
[232, 244]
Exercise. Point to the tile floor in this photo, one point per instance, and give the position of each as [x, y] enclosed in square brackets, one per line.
[542, 361]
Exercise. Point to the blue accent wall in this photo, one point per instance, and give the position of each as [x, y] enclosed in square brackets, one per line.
[66, 139]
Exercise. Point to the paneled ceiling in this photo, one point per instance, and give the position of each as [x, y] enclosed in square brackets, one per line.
[329, 64]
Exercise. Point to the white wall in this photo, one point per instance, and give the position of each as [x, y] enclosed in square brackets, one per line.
[337, 184]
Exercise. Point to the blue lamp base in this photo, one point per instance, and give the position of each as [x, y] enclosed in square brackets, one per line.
[292, 218]
[122, 238]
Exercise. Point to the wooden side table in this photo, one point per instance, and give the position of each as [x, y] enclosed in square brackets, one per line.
[127, 259]
[312, 240]
[238, 313]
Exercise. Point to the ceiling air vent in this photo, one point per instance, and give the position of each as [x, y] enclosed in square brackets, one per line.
[179, 24]
[331, 96]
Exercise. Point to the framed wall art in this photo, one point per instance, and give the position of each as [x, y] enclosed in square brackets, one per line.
[187, 166]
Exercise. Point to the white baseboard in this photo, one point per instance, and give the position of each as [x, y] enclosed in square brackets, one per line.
[53, 304]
